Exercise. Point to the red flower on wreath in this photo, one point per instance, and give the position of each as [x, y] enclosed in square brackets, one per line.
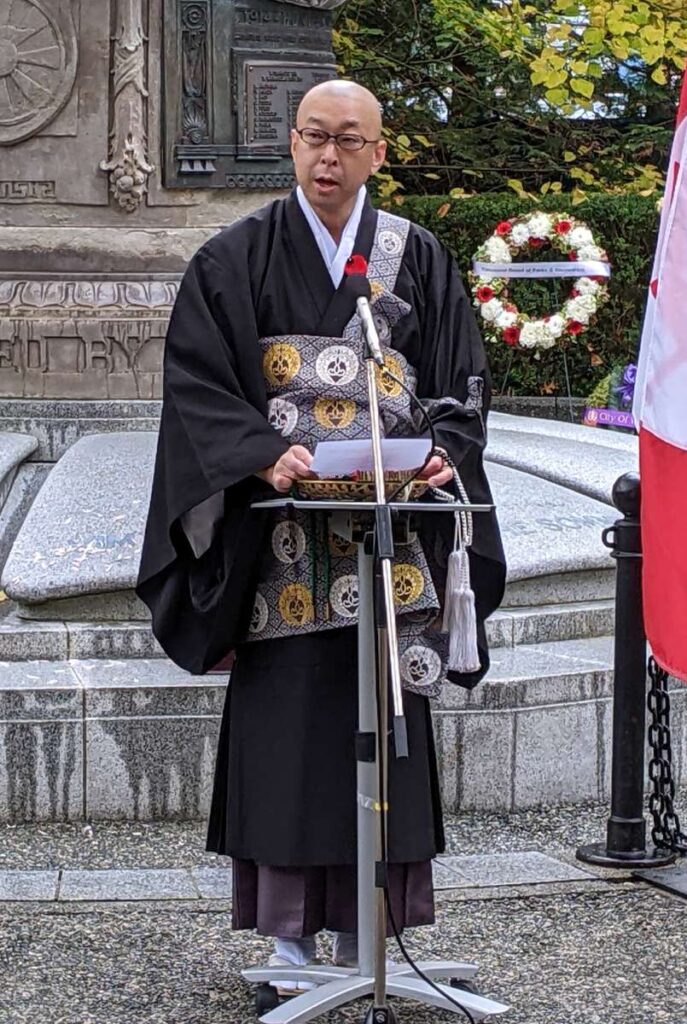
[572, 256]
[574, 327]
[509, 307]
[484, 293]
[503, 228]
[355, 264]
[511, 335]
[561, 227]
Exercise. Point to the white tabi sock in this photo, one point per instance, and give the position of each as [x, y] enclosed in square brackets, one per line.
[298, 952]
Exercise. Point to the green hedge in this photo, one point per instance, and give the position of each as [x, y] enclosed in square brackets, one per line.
[625, 225]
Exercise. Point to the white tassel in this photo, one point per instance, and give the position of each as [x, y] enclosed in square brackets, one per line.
[460, 620]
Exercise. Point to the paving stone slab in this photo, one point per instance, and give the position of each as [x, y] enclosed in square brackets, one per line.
[28, 885]
[84, 531]
[585, 468]
[139, 884]
[213, 883]
[445, 876]
[496, 869]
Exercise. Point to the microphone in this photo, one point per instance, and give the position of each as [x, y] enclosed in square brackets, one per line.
[360, 286]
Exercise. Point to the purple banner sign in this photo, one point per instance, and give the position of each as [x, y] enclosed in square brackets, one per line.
[594, 417]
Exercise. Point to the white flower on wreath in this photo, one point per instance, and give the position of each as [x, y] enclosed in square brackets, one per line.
[492, 310]
[497, 250]
[585, 286]
[520, 234]
[555, 325]
[590, 252]
[580, 236]
[539, 226]
[506, 319]
[532, 334]
[582, 308]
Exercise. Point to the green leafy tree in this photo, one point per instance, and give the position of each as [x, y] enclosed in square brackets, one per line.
[561, 96]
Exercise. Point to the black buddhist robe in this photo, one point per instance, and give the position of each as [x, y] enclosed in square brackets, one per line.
[261, 277]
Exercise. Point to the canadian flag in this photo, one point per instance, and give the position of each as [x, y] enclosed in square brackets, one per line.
[660, 410]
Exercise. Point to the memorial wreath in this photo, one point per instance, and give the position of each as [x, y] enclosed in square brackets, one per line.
[494, 265]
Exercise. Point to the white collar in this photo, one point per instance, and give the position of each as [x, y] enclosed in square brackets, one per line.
[334, 256]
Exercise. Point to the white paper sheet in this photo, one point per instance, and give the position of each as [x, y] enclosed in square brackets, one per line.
[341, 458]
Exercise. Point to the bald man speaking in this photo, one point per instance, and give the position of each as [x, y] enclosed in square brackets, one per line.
[264, 358]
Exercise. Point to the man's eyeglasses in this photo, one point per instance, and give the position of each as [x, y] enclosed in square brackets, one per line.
[344, 140]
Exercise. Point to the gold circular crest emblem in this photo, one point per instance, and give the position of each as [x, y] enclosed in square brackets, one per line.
[386, 385]
[409, 583]
[295, 605]
[335, 413]
[281, 363]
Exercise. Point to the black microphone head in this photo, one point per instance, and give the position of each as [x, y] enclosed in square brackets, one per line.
[359, 286]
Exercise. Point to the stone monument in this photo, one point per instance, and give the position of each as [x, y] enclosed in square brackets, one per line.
[130, 131]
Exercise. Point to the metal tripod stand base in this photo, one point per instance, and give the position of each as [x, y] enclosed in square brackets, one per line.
[598, 853]
[337, 986]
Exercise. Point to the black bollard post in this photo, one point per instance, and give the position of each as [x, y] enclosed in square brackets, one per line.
[626, 831]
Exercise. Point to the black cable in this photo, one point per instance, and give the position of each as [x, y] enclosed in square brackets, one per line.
[383, 734]
[430, 426]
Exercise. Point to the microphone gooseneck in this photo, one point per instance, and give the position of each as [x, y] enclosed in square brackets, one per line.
[360, 286]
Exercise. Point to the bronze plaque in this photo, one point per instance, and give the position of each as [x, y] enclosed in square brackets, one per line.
[234, 74]
[273, 92]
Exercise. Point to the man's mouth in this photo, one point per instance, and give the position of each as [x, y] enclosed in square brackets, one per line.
[326, 184]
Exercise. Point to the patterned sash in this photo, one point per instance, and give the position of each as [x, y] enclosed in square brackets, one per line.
[317, 391]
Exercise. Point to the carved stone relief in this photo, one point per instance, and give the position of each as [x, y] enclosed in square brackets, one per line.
[38, 59]
[194, 70]
[128, 165]
[83, 339]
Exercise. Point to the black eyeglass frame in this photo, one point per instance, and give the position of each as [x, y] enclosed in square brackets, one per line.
[336, 136]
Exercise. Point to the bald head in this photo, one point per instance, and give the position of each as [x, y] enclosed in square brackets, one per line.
[342, 146]
[362, 106]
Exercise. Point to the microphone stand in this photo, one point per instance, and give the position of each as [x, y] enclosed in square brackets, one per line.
[386, 623]
[388, 666]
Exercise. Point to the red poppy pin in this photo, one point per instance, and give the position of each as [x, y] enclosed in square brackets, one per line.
[356, 264]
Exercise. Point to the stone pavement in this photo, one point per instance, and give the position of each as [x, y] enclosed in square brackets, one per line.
[129, 923]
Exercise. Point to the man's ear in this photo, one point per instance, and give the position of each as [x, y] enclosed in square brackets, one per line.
[379, 155]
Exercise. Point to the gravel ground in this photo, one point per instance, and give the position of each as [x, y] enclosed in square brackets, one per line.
[182, 844]
[614, 956]
[592, 953]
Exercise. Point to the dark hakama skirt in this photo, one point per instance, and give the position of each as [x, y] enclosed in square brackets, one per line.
[284, 800]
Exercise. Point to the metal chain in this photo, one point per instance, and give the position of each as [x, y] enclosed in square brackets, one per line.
[666, 831]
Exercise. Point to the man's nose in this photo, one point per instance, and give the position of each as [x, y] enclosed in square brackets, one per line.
[330, 152]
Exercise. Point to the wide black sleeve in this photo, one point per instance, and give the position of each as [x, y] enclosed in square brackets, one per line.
[214, 436]
[455, 385]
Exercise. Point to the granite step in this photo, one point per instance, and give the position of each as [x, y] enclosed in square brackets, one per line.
[515, 627]
[537, 731]
[31, 640]
[136, 738]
